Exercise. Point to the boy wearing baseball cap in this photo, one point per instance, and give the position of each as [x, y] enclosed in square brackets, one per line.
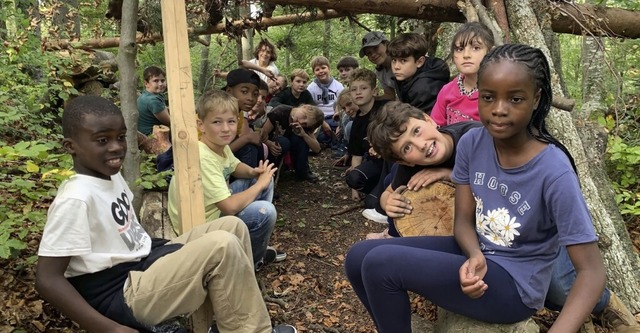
[243, 84]
[374, 46]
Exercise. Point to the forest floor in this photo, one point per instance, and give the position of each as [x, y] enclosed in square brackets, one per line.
[317, 223]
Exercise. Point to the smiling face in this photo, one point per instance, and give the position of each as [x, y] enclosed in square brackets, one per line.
[405, 67]
[218, 129]
[322, 73]
[507, 97]
[98, 145]
[247, 95]
[349, 107]
[467, 58]
[376, 54]
[422, 144]
[156, 84]
[264, 55]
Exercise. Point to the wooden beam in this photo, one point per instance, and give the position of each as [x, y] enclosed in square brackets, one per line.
[103, 43]
[184, 136]
[566, 17]
[186, 156]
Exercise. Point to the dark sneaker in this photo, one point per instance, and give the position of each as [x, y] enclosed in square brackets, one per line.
[284, 329]
[273, 255]
[310, 177]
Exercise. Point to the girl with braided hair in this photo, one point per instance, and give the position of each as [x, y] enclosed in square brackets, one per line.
[518, 202]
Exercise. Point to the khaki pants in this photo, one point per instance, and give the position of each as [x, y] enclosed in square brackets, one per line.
[213, 264]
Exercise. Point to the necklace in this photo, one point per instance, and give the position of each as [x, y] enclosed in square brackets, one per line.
[464, 91]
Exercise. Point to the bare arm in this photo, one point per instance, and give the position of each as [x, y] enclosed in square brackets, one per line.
[587, 288]
[56, 289]
[249, 65]
[473, 270]
[239, 201]
[164, 117]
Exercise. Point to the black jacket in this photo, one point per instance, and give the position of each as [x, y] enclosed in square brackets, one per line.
[422, 89]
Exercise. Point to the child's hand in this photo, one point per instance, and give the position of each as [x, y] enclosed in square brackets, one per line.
[471, 274]
[355, 196]
[397, 205]
[373, 153]
[265, 171]
[297, 129]
[342, 161]
[274, 148]
[268, 73]
[425, 177]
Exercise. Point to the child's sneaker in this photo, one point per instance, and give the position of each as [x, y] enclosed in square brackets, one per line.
[273, 255]
[284, 329]
[373, 215]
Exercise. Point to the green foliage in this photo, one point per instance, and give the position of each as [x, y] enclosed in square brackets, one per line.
[30, 172]
[150, 179]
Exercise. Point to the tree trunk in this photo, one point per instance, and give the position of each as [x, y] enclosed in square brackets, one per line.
[326, 39]
[128, 98]
[619, 22]
[204, 66]
[67, 19]
[622, 265]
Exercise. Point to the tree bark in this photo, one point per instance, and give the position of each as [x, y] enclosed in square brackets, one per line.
[622, 265]
[204, 66]
[620, 22]
[103, 43]
[128, 98]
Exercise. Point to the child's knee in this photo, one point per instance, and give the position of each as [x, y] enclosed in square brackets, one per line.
[355, 179]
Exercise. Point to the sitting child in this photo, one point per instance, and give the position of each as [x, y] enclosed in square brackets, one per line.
[297, 93]
[290, 129]
[418, 78]
[249, 196]
[243, 84]
[366, 172]
[99, 267]
[345, 66]
[534, 253]
[346, 110]
[458, 99]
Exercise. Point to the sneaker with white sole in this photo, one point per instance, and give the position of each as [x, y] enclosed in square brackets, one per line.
[284, 329]
[272, 255]
[373, 215]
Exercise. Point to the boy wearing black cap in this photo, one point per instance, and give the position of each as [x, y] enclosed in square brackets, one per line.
[374, 46]
[243, 84]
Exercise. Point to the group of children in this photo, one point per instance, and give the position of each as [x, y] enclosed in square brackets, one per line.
[523, 236]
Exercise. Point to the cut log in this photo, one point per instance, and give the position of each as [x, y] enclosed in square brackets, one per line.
[452, 322]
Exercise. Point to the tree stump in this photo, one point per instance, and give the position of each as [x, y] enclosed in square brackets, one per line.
[154, 217]
[451, 322]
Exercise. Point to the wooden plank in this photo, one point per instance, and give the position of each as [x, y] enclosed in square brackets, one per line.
[183, 129]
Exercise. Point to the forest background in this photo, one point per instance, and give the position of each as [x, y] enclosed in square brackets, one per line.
[36, 78]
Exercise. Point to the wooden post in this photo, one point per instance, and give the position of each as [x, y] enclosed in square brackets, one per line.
[183, 130]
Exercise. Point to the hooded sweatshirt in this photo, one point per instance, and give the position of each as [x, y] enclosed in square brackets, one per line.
[421, 90]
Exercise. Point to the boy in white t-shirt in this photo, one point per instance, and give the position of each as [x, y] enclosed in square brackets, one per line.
[99, 267]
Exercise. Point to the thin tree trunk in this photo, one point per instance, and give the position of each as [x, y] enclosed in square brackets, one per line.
[204, 66]
[326, 45]
[128, 98]
[622, 265]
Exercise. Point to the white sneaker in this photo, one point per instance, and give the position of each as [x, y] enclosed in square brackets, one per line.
[373, 215]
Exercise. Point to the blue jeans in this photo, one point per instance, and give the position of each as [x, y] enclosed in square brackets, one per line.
[562, 279]
[259, 216]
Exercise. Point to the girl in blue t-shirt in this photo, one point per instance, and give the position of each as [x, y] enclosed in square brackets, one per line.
[517, 200]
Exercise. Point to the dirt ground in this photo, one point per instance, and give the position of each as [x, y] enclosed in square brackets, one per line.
[316, 225]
